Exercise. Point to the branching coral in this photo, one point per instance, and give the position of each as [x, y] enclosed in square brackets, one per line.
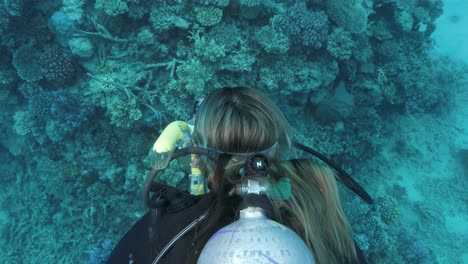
[192, 77]
[225, 34]
[305, 27]
[208, 16]
[164, 17]
[145, 37]
[272, 40]
[238, 62]
[112, 7]
[208, 50]
[340, 44]
[123, 113]
[297, 75]
[349, 15]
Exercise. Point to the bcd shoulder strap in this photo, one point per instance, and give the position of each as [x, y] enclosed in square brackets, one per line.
[174, 211]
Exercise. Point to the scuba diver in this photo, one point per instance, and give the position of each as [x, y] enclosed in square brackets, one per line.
[246, 203]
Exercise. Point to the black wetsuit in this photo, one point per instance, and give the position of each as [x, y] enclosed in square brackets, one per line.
[178, 210]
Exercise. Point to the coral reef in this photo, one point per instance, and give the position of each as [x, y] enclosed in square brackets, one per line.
[14, 7]
[67, 110]
[349, 15]
[23, 122]
[340, 44]
[218, 3]
[124, 113]
[26, 62]
[112, 7]
[86, 86]
[99, 254]
[305, 27]
[57, 66]
[208, 16]
[411, 248]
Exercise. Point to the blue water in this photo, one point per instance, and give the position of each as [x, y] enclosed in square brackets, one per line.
[86, 87]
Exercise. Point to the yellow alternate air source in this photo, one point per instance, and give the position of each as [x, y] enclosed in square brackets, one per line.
[176, 134]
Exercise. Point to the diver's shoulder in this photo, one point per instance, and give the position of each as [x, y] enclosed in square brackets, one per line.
[174, 200]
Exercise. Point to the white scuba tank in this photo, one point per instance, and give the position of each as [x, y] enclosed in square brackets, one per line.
[255, 239]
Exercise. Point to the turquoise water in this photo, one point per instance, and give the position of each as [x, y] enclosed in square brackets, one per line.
[87, 86]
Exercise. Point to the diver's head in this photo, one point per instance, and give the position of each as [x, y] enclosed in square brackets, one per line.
[239, 120]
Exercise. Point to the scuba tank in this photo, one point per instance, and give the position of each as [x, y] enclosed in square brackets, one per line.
[255, 238]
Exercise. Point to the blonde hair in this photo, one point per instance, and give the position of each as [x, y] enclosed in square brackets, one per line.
[243, 120]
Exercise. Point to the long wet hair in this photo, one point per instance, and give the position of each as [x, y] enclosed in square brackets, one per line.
[243, 120]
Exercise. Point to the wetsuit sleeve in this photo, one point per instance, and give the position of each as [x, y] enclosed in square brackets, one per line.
[133, 246]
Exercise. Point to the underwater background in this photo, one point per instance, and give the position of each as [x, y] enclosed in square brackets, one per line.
[379, 86]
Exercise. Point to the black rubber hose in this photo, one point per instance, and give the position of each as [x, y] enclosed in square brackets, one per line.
[342, 175]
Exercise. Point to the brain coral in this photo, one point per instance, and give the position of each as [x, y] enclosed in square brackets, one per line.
[57, 65]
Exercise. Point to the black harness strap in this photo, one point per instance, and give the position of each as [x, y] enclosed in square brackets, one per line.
[184, 231]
